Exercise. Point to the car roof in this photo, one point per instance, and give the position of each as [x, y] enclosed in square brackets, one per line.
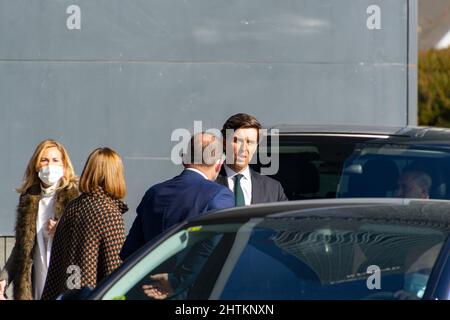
[416, 132]
[418, 210]
[285, 129]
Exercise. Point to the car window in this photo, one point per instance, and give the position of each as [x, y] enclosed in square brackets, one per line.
[172, 246]
[351, 167]
[390, 170]
[291, 258]
[311, 167]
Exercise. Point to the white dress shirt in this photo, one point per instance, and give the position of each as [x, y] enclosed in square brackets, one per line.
[246, 182]
[44, 240]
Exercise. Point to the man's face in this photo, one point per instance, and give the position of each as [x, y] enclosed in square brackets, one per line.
[408, 188]
[243, 144]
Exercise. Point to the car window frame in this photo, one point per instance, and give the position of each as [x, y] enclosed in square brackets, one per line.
[438, 287]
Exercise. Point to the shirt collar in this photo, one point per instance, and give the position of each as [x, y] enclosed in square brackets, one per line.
[231, 173]
[198, 171]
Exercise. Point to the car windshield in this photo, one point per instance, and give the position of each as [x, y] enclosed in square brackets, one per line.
[294, 257]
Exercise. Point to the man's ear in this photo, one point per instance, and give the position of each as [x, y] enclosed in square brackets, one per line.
[218, 164]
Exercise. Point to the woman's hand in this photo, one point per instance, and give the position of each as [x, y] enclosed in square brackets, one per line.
[51, 226]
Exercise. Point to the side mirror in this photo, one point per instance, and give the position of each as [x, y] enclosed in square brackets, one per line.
[76, 294]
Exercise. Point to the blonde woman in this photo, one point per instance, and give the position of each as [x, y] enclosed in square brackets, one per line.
[91, 232]
[49, 184]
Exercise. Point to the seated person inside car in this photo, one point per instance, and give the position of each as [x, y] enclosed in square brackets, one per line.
[414, 184]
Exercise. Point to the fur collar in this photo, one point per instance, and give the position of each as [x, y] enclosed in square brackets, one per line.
[27, 211]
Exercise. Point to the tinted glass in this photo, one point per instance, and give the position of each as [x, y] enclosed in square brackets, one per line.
[301, 258]
[397, 170]
[344, 167]
[311, 167]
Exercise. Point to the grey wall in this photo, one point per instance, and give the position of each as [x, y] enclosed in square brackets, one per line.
[138, 69]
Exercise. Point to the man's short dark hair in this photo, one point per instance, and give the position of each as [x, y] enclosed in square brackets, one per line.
[241, 120]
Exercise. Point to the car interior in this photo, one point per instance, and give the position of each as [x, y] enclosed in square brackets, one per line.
[313, 168]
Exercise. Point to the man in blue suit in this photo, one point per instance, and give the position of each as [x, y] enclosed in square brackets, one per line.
[185, 196]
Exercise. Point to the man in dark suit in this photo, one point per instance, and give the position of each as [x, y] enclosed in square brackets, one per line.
[248, 186]
[241, 138]
[187, 195]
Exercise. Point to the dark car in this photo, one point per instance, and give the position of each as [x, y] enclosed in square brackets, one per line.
[317, 162]
[314, 249]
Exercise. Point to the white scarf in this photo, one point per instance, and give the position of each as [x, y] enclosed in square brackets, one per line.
[44, 241]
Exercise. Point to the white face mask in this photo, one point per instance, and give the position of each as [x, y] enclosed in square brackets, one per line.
[51, 174]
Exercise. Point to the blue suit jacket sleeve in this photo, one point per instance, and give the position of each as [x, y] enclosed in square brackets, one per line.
[222, 200]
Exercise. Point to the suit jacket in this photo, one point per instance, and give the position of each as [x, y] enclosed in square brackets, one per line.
[168, 203]
[264, 189]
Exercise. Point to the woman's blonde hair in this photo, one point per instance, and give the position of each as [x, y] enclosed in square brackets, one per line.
[104, 168]
[31, 177]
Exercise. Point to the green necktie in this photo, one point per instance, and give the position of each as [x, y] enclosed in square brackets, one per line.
[239, 199]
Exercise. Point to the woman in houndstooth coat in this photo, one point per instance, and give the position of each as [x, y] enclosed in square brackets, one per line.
[91, 233]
